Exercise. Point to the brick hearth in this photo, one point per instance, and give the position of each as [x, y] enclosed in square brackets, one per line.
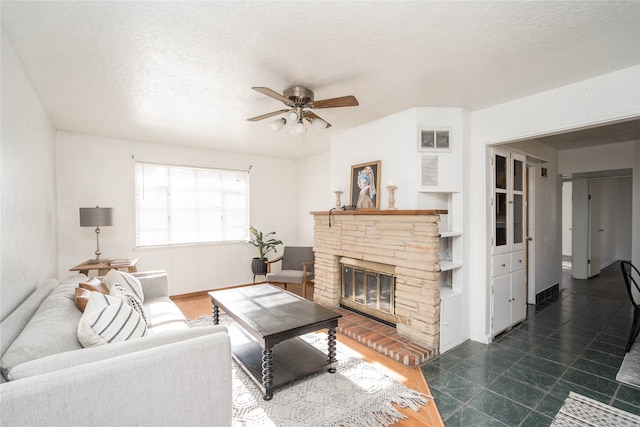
[382, 338]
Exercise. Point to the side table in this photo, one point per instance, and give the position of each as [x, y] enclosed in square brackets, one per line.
[106, 265]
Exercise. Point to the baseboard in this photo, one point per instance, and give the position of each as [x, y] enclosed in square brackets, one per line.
[550, 292]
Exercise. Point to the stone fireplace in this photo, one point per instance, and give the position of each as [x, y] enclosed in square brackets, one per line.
[406, 242]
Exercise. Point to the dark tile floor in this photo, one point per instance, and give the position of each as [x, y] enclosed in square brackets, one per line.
[574, 342]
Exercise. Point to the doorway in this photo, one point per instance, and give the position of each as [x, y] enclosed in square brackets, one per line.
[597, 221]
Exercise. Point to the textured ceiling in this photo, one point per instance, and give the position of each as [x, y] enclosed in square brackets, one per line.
[182, 72]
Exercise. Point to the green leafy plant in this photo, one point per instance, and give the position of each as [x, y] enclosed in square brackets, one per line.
[263, 241]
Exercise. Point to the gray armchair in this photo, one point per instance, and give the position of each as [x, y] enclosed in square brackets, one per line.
[297, 267]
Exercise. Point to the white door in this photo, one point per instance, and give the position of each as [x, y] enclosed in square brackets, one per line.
[580, 229]
[594, 228]
[531, 231]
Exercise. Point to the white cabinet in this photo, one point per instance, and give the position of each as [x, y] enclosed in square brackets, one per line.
[450, 319]
[508, 292]
[508, 269]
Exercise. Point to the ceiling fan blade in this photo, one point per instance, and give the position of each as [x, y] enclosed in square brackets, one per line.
[266, 116]
[343, 101]
[311, 115]
[272, 94]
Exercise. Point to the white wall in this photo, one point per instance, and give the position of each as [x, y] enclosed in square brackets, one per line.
[99, 171]
[314, 193]
[28, 215]
[598, 158]
[392, 140]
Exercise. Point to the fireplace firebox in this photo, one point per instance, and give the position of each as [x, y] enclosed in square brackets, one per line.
[369, 288]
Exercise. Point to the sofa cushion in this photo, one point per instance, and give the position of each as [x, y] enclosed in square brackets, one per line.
[119, 291]
[109, 319]
[161, 311]
[127, 280]
[51, 330]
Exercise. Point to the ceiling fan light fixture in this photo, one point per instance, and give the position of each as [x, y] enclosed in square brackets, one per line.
[278, 124]
[298, 129]
[319, 124]
[292, 116]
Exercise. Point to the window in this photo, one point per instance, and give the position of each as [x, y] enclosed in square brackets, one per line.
[181, 205]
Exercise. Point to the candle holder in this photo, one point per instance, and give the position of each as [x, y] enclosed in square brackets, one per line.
[392, 196]
[338, 201]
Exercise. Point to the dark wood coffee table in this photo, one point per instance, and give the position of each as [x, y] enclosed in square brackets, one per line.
[265, 341]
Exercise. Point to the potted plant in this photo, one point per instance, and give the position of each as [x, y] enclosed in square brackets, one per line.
[265, 244]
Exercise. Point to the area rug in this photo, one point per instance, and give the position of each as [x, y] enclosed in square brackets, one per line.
[579, 410]
[629, 372]
[359, 394]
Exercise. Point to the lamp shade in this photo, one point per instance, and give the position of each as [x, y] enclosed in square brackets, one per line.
[298, 129]
[276, 125]
[96, 217]
[318, 124]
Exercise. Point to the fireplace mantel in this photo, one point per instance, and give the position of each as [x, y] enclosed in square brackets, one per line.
[383, 212]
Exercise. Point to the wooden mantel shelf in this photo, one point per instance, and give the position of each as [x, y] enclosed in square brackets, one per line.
[384, 212]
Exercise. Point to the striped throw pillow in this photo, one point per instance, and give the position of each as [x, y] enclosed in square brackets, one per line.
[127, 280]
[119, 291]
[108, 319]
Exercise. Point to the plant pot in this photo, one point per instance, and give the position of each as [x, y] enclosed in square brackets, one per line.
[259, 266]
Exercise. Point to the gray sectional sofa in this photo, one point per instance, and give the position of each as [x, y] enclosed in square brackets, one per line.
[172, 376]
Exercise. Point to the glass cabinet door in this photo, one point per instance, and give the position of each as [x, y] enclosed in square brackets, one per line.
[500, 217]
[508, 201]
[518, 202]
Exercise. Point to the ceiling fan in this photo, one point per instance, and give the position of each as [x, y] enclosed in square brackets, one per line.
[299, 99]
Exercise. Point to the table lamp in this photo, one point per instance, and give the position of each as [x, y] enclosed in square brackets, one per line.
[96, 217]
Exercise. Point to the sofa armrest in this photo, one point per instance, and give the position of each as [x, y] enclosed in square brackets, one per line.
[154, 283]
[181, 383]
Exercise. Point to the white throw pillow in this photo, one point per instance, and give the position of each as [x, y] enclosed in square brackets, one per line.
[119, 291]
[127, 280]
[108, 319]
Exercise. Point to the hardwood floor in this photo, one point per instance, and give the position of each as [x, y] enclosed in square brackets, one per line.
[194, 306]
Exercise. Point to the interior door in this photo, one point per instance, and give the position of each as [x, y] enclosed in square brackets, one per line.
[530, 233]
[595, 229]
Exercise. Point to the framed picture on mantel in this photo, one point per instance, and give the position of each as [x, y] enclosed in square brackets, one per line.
[365, 185]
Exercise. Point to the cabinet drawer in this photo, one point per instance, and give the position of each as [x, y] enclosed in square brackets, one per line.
[501, 265]
[518, 260]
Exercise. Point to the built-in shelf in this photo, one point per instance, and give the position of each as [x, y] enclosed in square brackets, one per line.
[444, 234]
[447, 292]
[446, 265]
